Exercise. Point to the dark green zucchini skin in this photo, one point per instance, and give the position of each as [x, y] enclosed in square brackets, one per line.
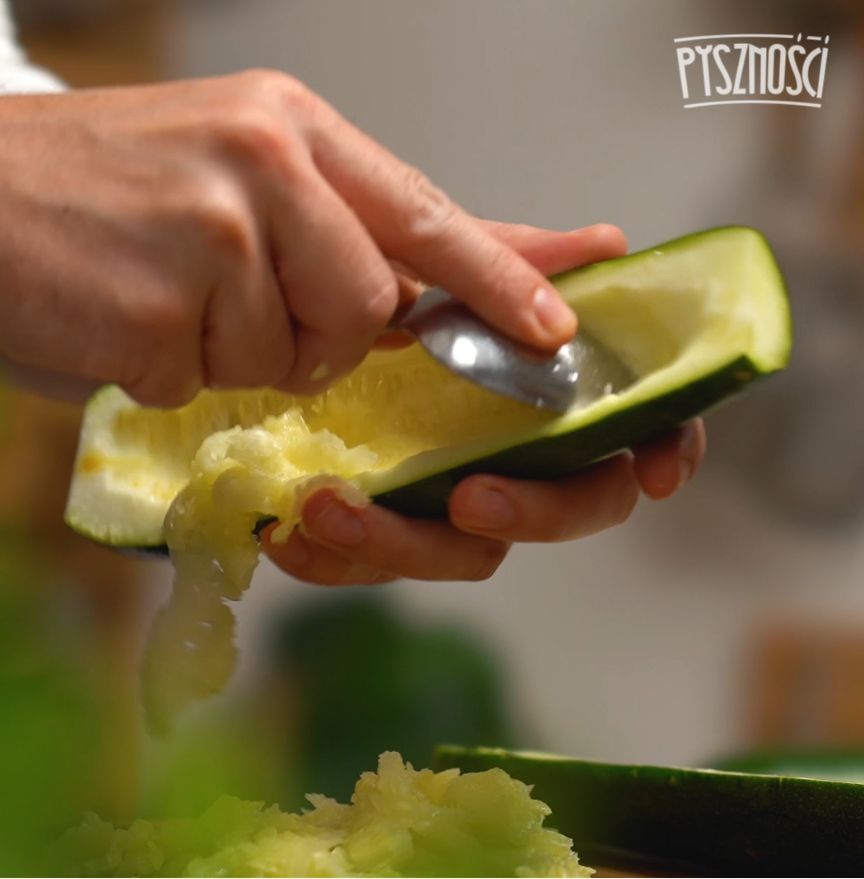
[564, 455]
[830, 763]
[690, 822]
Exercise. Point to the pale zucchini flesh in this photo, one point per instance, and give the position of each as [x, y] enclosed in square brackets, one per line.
[695, 319]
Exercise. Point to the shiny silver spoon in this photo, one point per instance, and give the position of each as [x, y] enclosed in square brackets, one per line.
[579, 373]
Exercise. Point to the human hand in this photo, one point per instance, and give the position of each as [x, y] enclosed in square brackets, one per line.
[232, 232]
[343, 545]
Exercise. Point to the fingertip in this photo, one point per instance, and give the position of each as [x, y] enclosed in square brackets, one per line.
[264, 532]
[276, 546]
[173, 394]
[659, 472]
[290, 552]
[294, 554]
[556, 320]
[320, 362]
[394, 340]
[666, 464]
[480, 504]
[693, 446]
[698, 438]
[609, 239]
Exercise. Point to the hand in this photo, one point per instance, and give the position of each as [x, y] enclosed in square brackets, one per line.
[233, 232]
[341, 545]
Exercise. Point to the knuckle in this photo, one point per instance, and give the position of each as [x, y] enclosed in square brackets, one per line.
[429, 211]
[253, 135]
[278, 91]
[221, 217]
[297, 95]
[499, 271]
[267, 83]
[257, 132]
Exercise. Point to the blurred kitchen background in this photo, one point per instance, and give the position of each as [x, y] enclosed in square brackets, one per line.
[728, 619]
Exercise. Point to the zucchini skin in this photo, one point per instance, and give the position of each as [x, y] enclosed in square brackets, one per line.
[565, 454]
[690, 822]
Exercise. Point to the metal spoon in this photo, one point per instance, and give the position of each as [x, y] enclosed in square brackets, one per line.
[579, 373]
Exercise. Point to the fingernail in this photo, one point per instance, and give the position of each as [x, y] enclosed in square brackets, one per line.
[334, 521]
[488, 509]
[685, 471]
[553, 315]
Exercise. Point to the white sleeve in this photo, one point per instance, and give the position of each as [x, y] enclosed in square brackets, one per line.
[16, 73]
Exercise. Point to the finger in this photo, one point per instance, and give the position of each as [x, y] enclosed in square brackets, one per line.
[665, 464]
[416, 223]
[248, 335]
[390, 340]
[340, 290]
[313, 563]
[548, 251]
[407, 273]
[172, 380]
[378, 538]
[47, 384]
[515, 510]
[552, 252]
[409, 292]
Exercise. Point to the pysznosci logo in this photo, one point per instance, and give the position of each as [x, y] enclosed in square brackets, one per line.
[723, 69]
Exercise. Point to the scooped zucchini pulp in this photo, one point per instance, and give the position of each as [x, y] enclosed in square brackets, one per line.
[400, 822]
[695, 320]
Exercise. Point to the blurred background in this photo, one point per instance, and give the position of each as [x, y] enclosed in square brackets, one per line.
[727, 620]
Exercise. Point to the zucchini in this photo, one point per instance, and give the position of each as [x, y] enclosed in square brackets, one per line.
[696, 320]
[689, 821]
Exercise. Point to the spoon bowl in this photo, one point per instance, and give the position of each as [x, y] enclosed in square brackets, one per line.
[578, 373]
